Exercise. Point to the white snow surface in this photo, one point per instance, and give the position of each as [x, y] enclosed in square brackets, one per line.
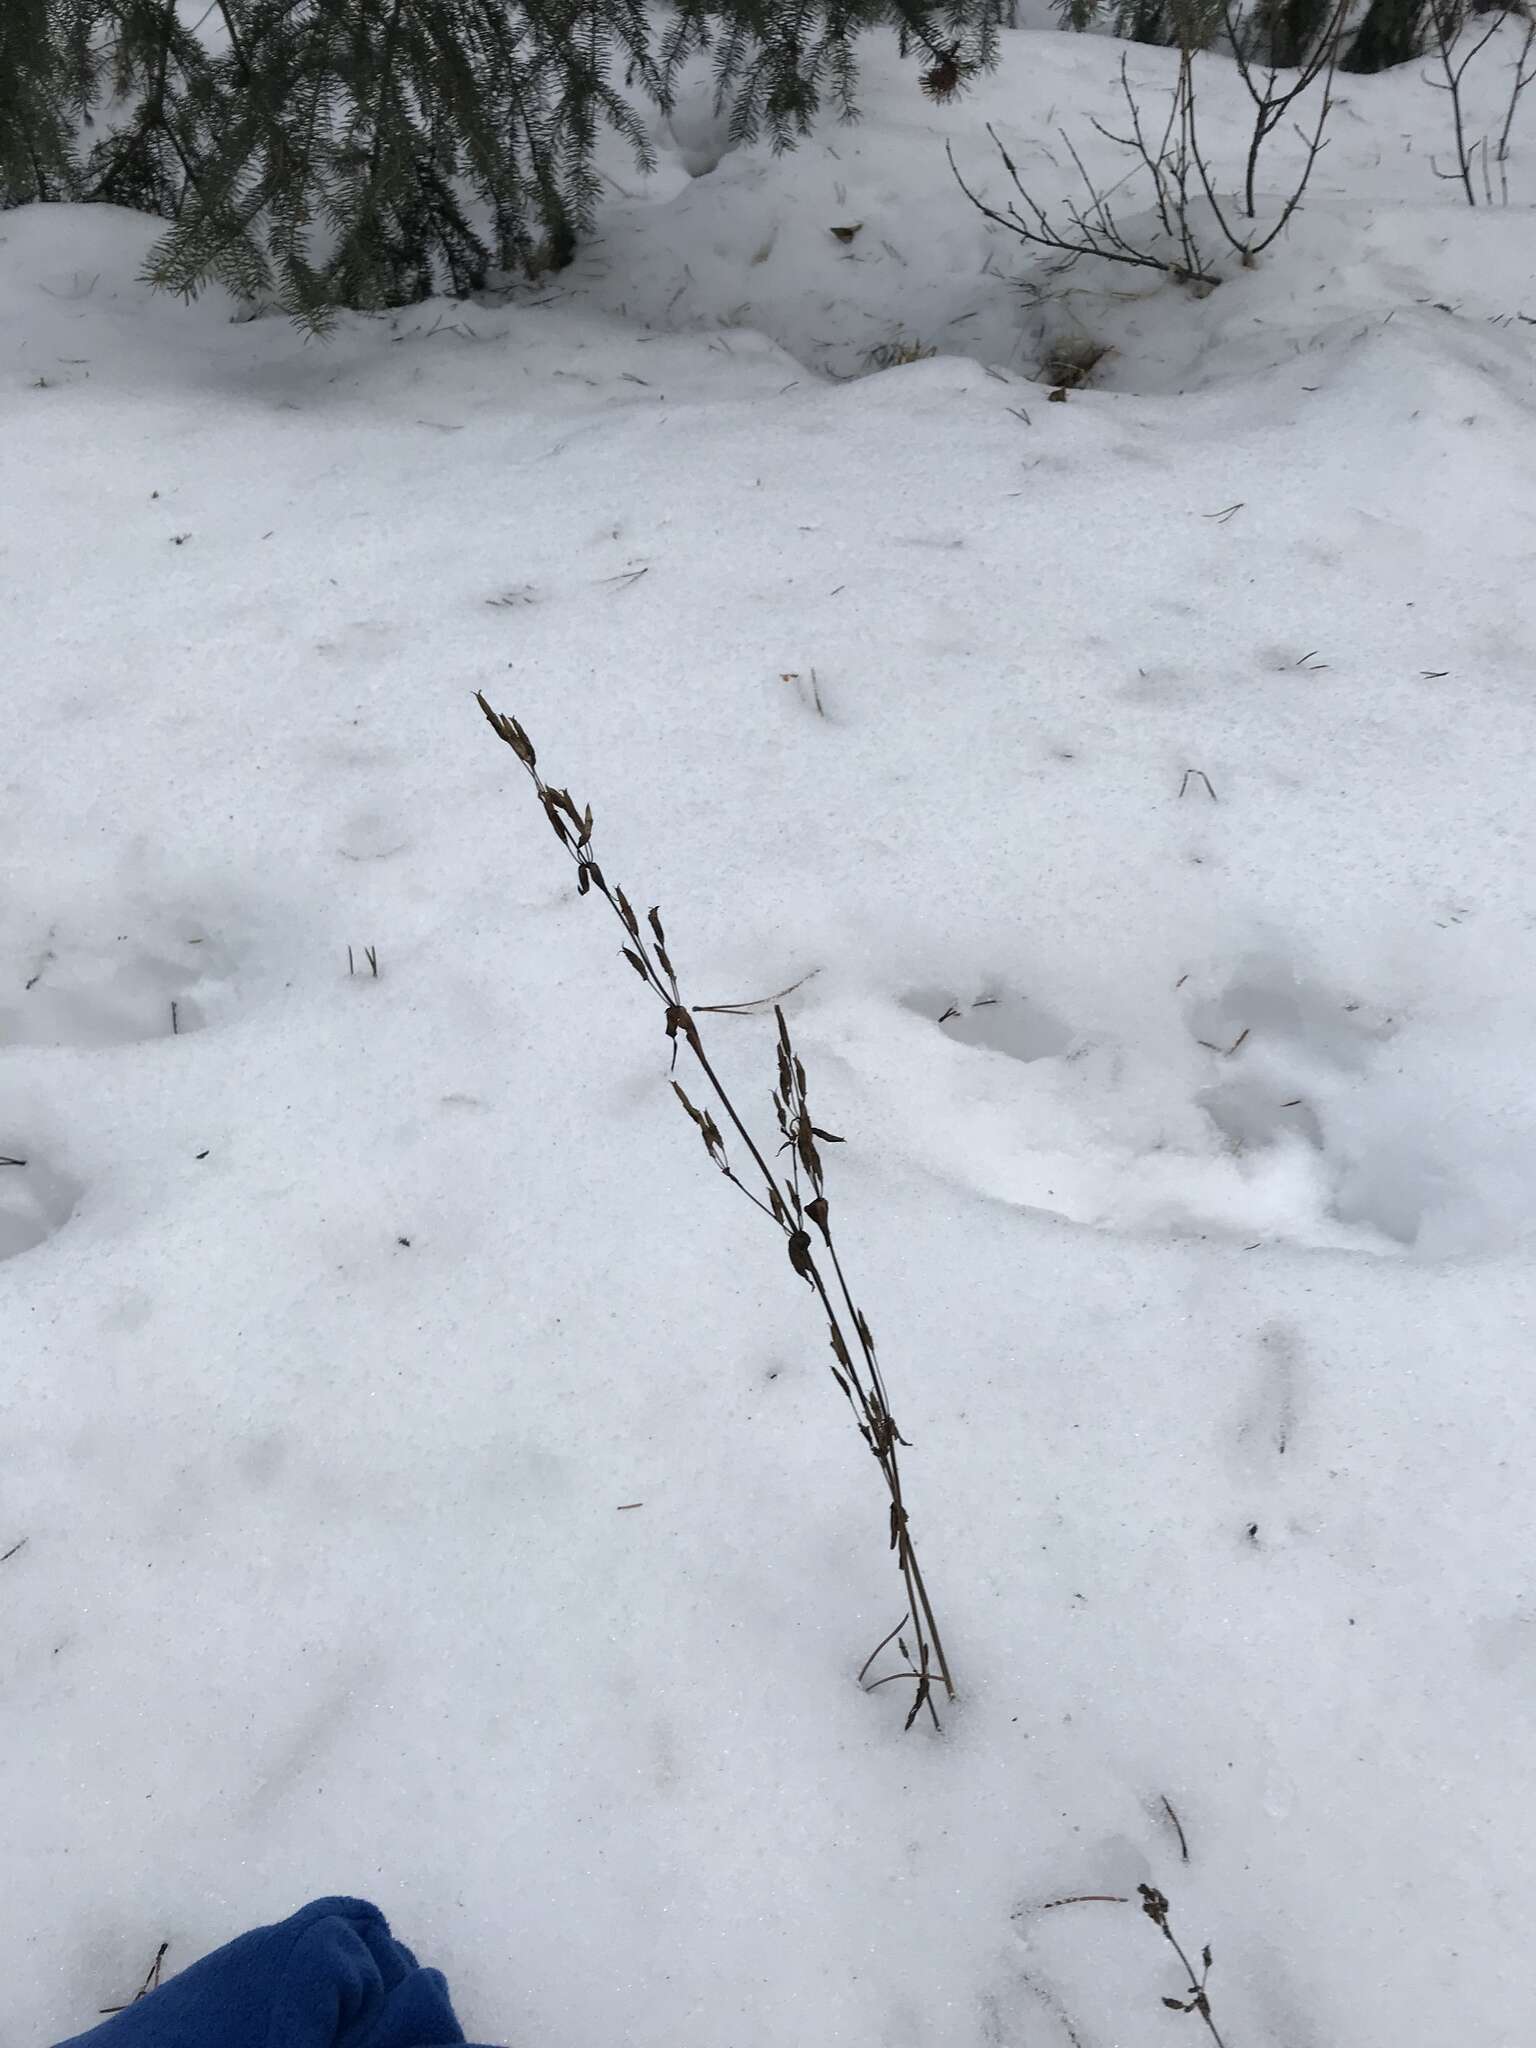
[1175, 738]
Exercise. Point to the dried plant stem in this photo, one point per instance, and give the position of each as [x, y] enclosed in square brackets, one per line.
[1155, 1906]
[793, 1198]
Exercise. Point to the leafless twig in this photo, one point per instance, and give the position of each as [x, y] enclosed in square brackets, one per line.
[1448, 19]
[1275, 90]
[1523, 73]
[1178, 1826]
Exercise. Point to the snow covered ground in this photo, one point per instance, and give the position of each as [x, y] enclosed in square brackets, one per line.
[1175, 739]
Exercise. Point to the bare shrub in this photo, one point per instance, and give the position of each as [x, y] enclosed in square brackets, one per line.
[1456, 48]
[1177, 166]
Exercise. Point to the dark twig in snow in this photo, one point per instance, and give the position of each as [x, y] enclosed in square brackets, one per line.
[151, 1982]
[1086, 1899]
[1226, 1051]
[1448, 18]
[752, 1005]
[1178, 1826]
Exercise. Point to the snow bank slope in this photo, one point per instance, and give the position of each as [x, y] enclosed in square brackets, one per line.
[1159, 853]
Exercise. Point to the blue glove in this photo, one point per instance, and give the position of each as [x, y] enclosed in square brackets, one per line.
[331, 1976]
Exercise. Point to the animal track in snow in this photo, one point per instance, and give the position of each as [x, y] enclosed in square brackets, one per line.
[1262, 1108]
[109, 988]
[1002, 1021]
[1296, 1054]
[35, 1200]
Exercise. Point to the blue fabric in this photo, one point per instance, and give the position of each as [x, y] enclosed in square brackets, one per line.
[331, 1976]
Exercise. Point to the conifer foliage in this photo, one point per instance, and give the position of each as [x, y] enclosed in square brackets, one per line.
[325, 153]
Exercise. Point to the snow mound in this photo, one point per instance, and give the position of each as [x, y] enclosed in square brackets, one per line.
[1271, 1111]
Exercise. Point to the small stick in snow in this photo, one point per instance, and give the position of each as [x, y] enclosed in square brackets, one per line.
[1086, 1899]
[6, 1160]
[1198, 775]
[175, 1024]
[1178, 1825]
[1226, 1051]
[151, 1982]
[6, 1556]
[793, 676]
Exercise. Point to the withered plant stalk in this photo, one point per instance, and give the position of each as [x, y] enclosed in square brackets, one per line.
[793, 1198]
